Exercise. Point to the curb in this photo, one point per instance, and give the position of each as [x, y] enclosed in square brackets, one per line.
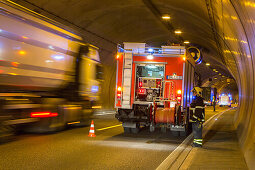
[176, 158]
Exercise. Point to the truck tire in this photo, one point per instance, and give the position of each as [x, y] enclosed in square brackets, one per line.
[184, 133]
[127, 130]
[175, 133]
[152, 128]
[163, 129]
[49, 124]
[135, 130]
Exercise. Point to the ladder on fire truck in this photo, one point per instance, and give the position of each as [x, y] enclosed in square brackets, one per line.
[127, 77]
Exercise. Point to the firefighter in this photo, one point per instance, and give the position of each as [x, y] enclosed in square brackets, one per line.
[197, 116]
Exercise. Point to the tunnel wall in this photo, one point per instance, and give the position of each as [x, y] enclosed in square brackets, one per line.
[236, 31]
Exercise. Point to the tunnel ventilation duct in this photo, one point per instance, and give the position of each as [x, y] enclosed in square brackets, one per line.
[195, 54]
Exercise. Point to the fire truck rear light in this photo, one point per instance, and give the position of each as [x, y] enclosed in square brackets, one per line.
[179, 92]
[43, 114]
[184, 58]
[178, 98]
[117, 56]
[119, 89]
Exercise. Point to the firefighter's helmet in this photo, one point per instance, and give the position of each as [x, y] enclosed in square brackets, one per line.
[198, 90]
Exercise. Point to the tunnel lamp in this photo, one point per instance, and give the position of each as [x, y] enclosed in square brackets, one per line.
[166, 17]
[150, 57]
[208, 64]
[177, 32]
[219, 74]
[186, 42]
[215, 78]
[223, 76]
[216, 71]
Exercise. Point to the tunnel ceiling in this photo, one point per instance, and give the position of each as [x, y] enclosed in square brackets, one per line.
[110, 22]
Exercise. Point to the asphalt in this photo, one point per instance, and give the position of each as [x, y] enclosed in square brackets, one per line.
[73, 149]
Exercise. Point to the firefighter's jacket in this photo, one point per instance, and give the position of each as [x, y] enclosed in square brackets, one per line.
[197, 109]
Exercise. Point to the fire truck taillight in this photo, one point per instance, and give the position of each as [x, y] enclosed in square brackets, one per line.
[179, 98]
[179, 92]
[117, 56]
[119, 89]
[142, 91]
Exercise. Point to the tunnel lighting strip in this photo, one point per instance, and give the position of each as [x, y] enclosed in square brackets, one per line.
[109, 127]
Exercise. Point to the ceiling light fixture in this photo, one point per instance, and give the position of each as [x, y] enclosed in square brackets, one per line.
[178, 32]
[166, 17]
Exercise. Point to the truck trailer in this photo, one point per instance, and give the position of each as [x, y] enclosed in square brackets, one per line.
[153, 87]
[49, 77]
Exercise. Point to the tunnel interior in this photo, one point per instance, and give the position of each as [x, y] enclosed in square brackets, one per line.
[222, 29]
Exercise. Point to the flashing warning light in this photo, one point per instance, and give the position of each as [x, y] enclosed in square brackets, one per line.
[150, 50]
[94, 89]
[179, 92]
[21, 52]
[184, 58]
[43, 114]
[178, 98]
[117, 56]
[119, 89]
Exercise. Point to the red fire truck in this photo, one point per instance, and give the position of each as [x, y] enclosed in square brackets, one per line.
[153, 87]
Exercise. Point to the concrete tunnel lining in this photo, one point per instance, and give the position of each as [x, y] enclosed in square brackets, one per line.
[228, 33]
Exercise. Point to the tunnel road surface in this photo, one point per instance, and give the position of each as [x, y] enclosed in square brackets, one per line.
[73, 149]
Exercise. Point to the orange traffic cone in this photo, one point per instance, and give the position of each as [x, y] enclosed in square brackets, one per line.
[92, 130]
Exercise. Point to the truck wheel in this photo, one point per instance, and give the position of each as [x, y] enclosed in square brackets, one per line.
[127, 129]
[175, 133]
[183, 133]
[135, 130]
[152, 128]
[54, 124]
[163, 129]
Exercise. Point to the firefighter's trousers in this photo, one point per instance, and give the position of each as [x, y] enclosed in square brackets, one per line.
[197, 132]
